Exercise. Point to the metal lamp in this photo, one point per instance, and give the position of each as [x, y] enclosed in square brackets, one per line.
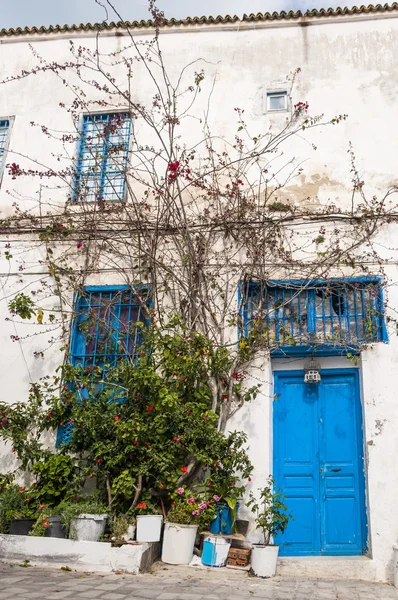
[312, 374]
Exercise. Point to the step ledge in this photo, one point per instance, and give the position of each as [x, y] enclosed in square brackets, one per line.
[81, 556]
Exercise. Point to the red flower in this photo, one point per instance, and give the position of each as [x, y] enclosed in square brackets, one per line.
[99, 460]
[249, 479]
[91, 475]
[117, 418]
[135, 443]
[161, 485]
[149, 408]
[45, 524]
[79, 244]
[184, 469]
[141, 505]
[233, 483]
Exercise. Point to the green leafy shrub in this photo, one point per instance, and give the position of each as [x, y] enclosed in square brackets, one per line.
[271, 512]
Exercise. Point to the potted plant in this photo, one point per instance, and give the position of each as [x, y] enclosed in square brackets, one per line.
[188, 512]
[123, 528]
[226, 481]
[149, 520]
[271, 518]
[84, 519]
[18, 512]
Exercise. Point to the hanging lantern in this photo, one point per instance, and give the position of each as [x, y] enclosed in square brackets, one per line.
[312, 374]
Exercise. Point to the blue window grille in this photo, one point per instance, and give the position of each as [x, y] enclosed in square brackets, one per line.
[103, 157]
[4, 128]
[331, 317]
[105, 331]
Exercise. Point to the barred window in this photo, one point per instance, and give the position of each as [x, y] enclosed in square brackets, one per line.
[107, 329]
[308, 314]
[103, 157]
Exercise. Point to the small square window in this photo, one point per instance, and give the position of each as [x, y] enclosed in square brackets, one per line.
[276, 101]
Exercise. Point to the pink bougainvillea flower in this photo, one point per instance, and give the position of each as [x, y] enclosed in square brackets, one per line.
[202, 505]
[191, 500]
[249, 479]
[79, 244]
[180, 491]
[196, 513]
[216, 498]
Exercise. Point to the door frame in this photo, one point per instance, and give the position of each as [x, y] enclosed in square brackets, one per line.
[361, 447]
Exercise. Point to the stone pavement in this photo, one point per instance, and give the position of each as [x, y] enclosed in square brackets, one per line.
[178, 583]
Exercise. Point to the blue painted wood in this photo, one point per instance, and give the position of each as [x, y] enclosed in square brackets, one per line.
[110, 338]
[331, 317]
[318, 463]
[103, 156]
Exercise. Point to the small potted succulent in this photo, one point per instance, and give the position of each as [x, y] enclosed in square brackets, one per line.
[123, 528]
[272, 518]
[189, 511]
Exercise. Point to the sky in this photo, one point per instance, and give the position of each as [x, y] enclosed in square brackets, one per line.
[21, 13]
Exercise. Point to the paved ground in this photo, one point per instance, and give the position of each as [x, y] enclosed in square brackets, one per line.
[176, 583]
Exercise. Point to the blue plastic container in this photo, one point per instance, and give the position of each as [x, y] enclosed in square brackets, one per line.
[215, 551]
[223, 523]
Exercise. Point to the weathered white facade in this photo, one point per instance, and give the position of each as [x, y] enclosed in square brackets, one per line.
[348, 66]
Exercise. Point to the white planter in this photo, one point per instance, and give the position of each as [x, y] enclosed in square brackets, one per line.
[130, 535]
[88, 528]
[264, 559]
[178, 543]
[149, 528]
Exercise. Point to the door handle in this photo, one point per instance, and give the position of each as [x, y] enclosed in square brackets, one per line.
[335, 470]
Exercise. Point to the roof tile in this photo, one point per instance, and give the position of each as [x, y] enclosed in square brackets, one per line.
[167, 23]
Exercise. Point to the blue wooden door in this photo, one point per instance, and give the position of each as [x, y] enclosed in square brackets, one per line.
[318, 463]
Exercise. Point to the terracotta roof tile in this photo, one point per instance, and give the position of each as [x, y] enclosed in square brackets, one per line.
[248, 18]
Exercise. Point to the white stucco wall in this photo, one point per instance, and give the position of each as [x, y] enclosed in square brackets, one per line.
[347, 66]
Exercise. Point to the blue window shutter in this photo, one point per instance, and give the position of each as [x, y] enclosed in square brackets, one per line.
[106, 314]
[103, 157]
[4, 130]
[327, 316]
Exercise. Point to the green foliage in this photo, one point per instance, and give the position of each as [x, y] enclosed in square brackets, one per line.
[271, 512]
[15, 504]
[22, 306]
[57, 476]
[140, 429]
[41, 526]
[119, 526]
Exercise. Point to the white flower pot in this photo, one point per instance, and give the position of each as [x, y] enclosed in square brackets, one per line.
[87, 527]
[149, 528]
[178, 543]
[264, 559]
[130, 535]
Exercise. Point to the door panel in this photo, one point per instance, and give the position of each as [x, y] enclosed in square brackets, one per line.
[318, 463]
[339, 453]
[296, 444]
